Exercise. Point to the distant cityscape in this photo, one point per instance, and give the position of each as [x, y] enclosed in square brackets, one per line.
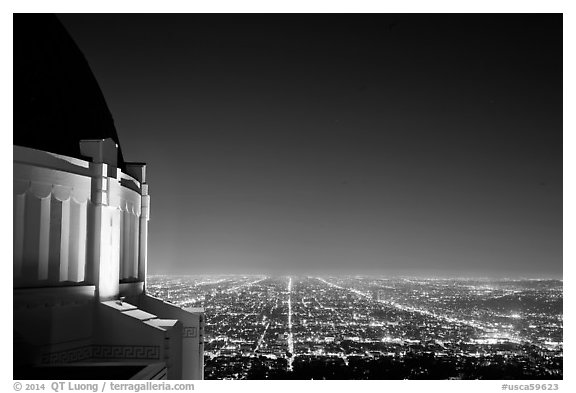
[362, 327]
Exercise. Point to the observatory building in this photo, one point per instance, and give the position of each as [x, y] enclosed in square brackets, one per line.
[80, 231]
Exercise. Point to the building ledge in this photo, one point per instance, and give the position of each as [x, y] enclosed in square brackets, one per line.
[53, 296]
[93, 371]
[118, 305]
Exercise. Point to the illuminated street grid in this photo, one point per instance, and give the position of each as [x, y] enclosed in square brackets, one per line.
[365, 327]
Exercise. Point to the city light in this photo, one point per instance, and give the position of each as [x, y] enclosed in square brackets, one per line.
[318, 327]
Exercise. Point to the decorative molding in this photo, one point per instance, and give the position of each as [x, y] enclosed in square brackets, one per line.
[40, 190]
[43, 182]
[108, 352]
[123, 198]
[21, 186]
[189, 332]
[67, 356]
[61, 193]
[126, 352]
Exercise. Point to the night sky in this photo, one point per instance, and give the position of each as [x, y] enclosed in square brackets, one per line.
[304, 144]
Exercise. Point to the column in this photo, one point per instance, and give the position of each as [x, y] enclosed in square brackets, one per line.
[138, 171]
[144, 218]
[19, 209]
[105, 259]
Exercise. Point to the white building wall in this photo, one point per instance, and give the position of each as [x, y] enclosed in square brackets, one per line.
[62, 234]
[192, 332]
[80, 235]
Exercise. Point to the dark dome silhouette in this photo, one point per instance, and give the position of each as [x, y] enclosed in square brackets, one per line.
[57, 101]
